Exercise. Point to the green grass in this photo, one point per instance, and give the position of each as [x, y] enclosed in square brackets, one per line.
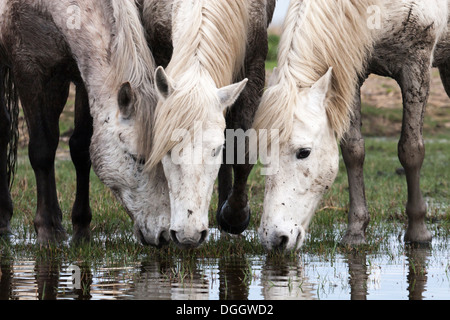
[271, 61]
[112, 228]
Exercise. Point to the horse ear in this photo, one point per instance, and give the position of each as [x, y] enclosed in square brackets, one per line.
[229, 94]
[321, 90]
[163, 83]
[273, 79]
[126, 101]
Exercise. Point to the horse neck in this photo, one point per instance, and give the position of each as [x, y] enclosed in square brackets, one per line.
[109, 45]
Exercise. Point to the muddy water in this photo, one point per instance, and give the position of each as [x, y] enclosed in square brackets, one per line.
[402, 273]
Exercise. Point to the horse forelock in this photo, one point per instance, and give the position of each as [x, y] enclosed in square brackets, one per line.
[317, 35]
[190, 103]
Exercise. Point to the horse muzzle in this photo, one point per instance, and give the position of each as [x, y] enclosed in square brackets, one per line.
[189, 240]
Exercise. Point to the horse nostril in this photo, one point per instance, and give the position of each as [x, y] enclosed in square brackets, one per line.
[300, 238]
[280, 242]
[142, 238]
[203, 236]
[283, 242]
[163, 239]
[188, 242]
[173, 235]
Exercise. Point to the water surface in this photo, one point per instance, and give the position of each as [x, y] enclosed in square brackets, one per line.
[400, 273]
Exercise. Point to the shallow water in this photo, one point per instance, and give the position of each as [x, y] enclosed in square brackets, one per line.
[398, 274]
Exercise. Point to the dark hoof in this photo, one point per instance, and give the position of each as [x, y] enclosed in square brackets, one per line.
[81, 236]
[418, 233]
[5, 232]
[353, 240]
[5, 235]
[51, 237]
[233, 221]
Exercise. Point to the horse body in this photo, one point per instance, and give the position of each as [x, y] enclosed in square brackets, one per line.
[215, 43]
[104, 52]
[402, 46]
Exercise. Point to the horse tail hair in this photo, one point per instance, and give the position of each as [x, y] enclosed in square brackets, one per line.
[10, 98]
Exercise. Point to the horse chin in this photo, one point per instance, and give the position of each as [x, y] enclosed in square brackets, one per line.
[158, 239]
[274, 241]
[277, 235]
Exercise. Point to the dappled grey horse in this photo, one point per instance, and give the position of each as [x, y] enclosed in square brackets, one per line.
[327, 50]
[101, 47]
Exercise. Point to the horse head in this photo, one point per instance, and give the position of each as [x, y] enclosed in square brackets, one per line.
[189, 138]
[307, 166]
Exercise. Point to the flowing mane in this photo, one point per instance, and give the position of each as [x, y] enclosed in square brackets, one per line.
[211, 35]
[132, 61]
[209, 40]
[317, 35]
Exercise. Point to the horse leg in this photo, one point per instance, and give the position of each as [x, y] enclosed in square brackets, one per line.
[353, 152]
[444, 71]
[233, 215]
[6, 207]
[42, 107]
[414, 81]
[225, 181]
[79, 151]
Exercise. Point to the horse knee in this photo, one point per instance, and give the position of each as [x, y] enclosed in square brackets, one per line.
[353, 152]
[79, 150]
[411, 152]
[41, 153]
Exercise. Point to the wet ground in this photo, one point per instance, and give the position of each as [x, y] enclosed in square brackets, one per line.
[398, 273]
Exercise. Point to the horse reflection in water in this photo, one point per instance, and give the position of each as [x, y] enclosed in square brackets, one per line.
[231, 278]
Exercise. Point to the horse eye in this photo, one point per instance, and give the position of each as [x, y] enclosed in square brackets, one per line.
[303, 153]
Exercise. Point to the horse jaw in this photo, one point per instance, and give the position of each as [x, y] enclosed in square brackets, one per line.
[116, 163]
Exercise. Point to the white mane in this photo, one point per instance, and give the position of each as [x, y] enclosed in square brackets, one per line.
[317, 35]
[133, 62]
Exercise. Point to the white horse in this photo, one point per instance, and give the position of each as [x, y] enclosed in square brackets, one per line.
[101, 46]
[233, 210]
[205, 76]
[312, 106]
